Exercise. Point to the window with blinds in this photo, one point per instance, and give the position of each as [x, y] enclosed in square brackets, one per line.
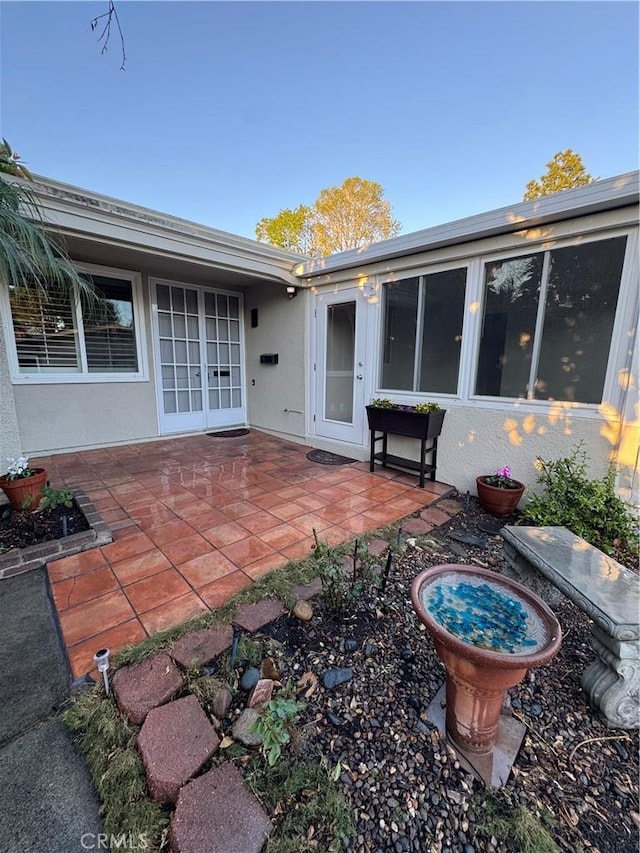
[109, 335]
[46, 331]
[56, 333]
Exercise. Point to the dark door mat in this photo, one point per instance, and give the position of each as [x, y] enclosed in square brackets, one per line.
[326, 458]
[229, 433]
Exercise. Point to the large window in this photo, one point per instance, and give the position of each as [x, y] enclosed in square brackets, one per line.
[57, 333]
[423, 319]
[547, 323]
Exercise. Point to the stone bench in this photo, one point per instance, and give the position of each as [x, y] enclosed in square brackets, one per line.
[552, 560]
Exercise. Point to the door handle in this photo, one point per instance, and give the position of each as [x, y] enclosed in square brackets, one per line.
[359, 376]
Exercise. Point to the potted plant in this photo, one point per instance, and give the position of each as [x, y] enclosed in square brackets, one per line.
[499, 493]
[424, 420]
[24, 486]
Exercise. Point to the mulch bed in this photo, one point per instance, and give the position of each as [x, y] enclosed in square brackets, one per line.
[403, 780]
[22, 529]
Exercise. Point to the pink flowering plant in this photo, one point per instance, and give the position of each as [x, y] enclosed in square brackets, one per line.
[502, 479]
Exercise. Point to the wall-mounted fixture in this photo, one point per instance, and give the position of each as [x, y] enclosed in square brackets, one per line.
[291, 291]
[269, 358]
[254, 318]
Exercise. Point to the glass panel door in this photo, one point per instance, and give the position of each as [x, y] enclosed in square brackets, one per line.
[339, 376]
[199, 334]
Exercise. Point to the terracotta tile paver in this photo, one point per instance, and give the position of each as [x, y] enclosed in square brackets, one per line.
[173, 613]
[85, 620]
[219, 592]
[158, 589]
[207, 568]
[135, 568]
[72, 591]
[81, 654]
[195, 519]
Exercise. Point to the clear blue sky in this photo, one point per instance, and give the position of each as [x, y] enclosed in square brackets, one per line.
[228, 112]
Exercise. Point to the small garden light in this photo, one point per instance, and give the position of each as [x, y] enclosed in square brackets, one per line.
[101, 658]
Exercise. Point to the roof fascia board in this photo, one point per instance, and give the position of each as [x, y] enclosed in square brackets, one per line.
[608, 194]
[84, 213]
[532, 239]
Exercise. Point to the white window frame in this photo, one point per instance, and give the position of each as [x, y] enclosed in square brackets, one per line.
[618, 358]
[611, 392]
[433, 269]
[83, 377]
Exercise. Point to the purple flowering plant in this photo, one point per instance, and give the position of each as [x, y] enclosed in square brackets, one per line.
[502, 479]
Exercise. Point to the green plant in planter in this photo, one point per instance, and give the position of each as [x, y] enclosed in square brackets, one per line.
[502, 479]
[590, 508]
[382, 403]
[426, 408]
[53, 498]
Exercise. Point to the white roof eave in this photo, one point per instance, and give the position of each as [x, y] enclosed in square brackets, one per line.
[608, 194]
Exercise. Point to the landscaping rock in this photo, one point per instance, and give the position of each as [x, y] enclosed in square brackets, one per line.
[221, 702]
[143, 686]
[269, 669]
[217, 813]
[467, 538]
[175, 741]
[261, 693]
[250, 678]
[334, 677]
[251, 617]
[243, 728]
[200, 647]
[303, 611]
[307, 590]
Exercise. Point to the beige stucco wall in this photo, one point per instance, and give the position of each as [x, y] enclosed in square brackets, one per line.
[478, 441]
[276, 393]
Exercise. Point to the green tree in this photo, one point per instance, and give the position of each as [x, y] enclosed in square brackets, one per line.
[30, 257]
[288, 230]
[350, 216]
[564, 172]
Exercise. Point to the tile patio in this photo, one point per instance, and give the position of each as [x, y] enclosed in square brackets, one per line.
[196, 519]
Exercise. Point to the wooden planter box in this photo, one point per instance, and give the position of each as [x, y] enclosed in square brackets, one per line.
[425, 426]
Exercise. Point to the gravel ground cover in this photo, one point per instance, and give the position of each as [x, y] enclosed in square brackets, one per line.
[572, 775]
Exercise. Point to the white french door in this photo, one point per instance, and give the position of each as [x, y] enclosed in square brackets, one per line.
[199, 359]
[340, 365]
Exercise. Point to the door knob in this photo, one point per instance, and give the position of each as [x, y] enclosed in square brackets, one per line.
[359, 376]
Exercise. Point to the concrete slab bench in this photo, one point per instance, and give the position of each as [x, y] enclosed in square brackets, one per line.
[552, 560]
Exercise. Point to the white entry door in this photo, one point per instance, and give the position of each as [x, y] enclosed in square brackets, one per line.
[340, 365]
[199, 358]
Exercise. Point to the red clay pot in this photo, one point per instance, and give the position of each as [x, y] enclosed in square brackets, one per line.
[497, 501]
[477, 677]
[26, 492]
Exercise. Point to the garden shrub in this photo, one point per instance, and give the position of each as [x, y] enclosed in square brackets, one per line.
[590, 508]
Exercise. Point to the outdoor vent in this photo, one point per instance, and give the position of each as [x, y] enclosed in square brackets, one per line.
[269, 358]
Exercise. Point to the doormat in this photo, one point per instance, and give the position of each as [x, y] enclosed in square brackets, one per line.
[326, 458]
[229, 433]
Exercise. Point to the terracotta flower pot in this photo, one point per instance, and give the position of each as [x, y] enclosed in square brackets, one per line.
[478, 675]
[25, 492]
[497, 501]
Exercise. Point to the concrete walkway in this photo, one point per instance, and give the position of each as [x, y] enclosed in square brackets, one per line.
[47, 801]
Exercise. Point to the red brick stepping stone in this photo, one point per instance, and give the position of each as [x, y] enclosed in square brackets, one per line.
[175, 741]
[434, 516]
[417, 526]
[217, 813]
[200, 647]
[303, 592]
[377, 547]
[251, 617]
[449, 506]
[143, 686]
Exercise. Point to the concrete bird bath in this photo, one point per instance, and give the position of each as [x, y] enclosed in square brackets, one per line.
[488, 632]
